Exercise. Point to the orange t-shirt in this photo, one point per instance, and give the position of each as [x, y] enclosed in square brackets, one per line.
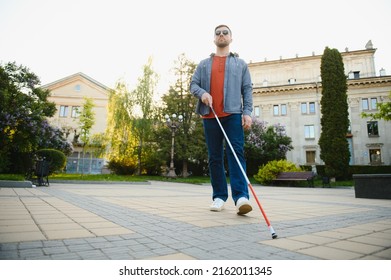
[217, 87]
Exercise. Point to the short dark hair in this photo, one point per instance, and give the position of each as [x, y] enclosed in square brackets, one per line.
[223, 25]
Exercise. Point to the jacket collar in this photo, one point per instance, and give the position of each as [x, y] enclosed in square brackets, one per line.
[230, 54]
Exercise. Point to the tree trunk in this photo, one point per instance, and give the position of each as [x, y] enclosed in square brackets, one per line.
[185, 172]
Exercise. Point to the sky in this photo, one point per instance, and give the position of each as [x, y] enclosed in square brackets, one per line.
[111, 40]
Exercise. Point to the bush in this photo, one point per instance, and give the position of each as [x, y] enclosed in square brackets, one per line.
[359, 169]
[267, 173]
[121, 168]
[20, 162]
[57, 159]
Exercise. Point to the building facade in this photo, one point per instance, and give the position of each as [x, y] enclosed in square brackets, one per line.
[288, 92]
[68, 95]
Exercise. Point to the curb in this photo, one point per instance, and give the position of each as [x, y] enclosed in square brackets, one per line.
[15, 184]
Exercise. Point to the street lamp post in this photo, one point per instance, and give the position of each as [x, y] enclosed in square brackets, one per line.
[173, 123]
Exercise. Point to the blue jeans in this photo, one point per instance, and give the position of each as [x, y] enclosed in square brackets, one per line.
[232, 125]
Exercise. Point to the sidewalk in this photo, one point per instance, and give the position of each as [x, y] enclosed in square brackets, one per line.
[160, 220]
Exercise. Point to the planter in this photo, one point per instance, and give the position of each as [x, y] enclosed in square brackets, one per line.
[372, 186]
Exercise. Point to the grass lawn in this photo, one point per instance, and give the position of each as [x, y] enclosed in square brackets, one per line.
[12, 177]
[132, 178]
[127, 178]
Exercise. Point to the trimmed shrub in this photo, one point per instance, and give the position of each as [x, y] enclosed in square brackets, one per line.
[121, 168]
[267, 173]
[57, 159]
[359, 169]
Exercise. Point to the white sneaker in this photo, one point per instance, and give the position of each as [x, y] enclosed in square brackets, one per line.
[243, 206]
[217, 205]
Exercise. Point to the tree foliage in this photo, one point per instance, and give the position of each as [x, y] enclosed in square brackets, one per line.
[190, 149]
[24, 109]
[384, 111]
[335, 117]
[141, 115]
[86, 122]
[268, 172]
[265, 143]
[131, 120]
[118, 131]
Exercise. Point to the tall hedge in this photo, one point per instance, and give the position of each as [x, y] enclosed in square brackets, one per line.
[335, 117]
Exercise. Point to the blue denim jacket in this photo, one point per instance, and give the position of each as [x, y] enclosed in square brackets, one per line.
[238, 98]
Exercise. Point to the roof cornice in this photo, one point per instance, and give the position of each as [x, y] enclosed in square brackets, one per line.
[306, 58]
[383, 80]
[72, 77]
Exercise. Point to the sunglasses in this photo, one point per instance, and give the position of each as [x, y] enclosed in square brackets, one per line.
[218, 32]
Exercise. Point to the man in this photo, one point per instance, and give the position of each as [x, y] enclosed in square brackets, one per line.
[223, 82]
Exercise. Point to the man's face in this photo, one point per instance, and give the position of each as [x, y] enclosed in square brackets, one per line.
[222, 37]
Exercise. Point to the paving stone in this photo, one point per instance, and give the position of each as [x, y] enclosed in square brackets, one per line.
[80, 247]
[55, 250]
[30, 245]
[66, 256]
[92, 255]
[9, 246]
[9, 255]
[53, 243]
[77, 241]
[29, 253]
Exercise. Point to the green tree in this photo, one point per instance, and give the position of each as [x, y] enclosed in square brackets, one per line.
[190, 148]
[24, 109]
[118, 132]
[142, 114]
[86, 122]
[335, 117]
[265, 143]
[98, 144]
[384, 111]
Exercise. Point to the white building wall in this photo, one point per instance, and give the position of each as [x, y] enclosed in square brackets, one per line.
[272, 87]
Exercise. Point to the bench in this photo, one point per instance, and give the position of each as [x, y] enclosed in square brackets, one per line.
[39, 174]
[297, 176]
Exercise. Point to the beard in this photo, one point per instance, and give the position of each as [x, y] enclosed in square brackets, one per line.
[221, 43]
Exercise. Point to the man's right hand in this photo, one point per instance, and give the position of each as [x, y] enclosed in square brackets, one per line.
[206, 98]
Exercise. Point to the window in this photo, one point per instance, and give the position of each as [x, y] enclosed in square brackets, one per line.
[354, 75]
[369, 104]
[279, 110]
[276, 110]
[292, 81]
[283, 109]
[365, 104]
[373, 103]
[310, 157]
[304, 108]
[308, 108]
[257, 111]
[312, 107]
[373, 128]
[75, 111]
[63, 111]
[375, 156]
[309, 131]
[77, 87]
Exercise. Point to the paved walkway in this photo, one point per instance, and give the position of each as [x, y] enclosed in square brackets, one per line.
[159, 220]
